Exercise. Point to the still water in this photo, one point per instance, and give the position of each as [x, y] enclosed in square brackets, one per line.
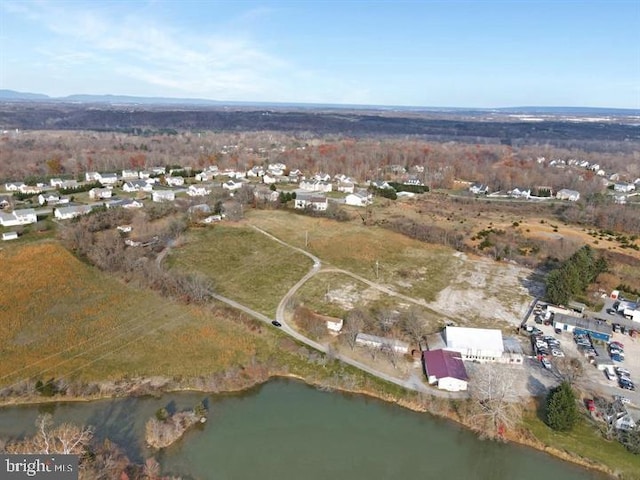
[287, 430]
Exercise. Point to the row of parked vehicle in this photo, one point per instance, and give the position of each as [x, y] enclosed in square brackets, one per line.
[624, 379]
[616, 351]
[583, 341]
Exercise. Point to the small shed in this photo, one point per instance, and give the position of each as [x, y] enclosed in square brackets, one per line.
[9, 235]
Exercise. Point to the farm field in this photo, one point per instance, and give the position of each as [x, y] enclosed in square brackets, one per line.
[61, 317]
[243, 264]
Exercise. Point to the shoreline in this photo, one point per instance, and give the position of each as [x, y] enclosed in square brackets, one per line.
[523, 438]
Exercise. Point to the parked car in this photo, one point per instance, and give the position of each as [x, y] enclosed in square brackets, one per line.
[617, 345]
[557, 353]
[616, 327]
[617, 358]
[590, 404]
[622, 371]
[610, 375]
[545, 363]
[276, 323]
[623, 400]
[626, 384]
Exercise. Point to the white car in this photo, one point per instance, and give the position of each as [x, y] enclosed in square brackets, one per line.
[545, 363]
[557, 353]
[622, 399]
[622, 371]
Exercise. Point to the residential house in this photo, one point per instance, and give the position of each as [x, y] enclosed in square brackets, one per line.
[69, 184]
[412, 180]
[620, 199]
[445, 369]
[100, 193]
[346, 186]
[73, 211]
[382, 343]
[5, 201]
[163, 196]
[269, 178]
[205, 176]
[623, 187]
[256, 171]
[196, 191]
[479, 189]
[312, 201]
[130, 174]
[124, 203]
[174, 181]
[520, 193]
[13, 186]
[137, 186]
[50, 198]
[30, 189]
[158, 170]
[380, 184]
[315, 186]
[9, 236]
[566, 194]
[617, 415]
[322, 177]
[361, 198]
[92, 176]
[55, 182]
[232, 185]
[276, 168]
[266, 195]
[108, 179]
[18, 217]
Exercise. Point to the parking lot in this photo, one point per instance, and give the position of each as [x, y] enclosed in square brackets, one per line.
[593, 380]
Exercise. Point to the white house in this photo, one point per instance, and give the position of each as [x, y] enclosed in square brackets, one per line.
[269, 178]
[18, 217]
[445, 369]
[100, 193]
[130, 174]
[174, 181]
[50, 198]
[66, 213]
[137, 186]
[315, 186]
[195, 191]
[232, 185]
[346, 186]
[479, 188]
[276, 168]
[30, 189]
[13, 186]
[55, 182]
[92, 176]
[322, 177]
[520, 193]
[307, 200]
[205, 176]
[256, 171]
[566, 194]
[108, 179]
[373, 341]
[9, 236]
[623, 187]
[163, 196]
[69, 184]
[475, 344]
[359, 199]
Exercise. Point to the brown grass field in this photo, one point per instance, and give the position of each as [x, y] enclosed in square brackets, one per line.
[244, 265]
[415, 268]
[60, 317]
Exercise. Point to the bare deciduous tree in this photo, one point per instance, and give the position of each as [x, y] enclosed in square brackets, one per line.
[353, 325]
[495, 408]
[63, 439]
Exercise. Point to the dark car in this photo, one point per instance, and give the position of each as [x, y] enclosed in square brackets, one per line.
[276, 323]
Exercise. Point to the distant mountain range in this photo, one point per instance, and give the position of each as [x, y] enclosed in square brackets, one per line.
[14, 96]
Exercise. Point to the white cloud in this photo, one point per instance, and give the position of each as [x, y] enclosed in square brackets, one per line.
[180, 62]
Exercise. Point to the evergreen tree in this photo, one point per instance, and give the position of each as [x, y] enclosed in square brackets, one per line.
[561, 411]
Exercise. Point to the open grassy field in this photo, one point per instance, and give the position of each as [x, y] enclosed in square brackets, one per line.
[587, 442]
[244, 264]
[415, 268]
[60, 317]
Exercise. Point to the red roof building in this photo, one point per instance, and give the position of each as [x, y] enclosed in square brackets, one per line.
[445, 369]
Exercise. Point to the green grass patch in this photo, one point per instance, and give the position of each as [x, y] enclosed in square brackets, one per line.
[586, 441]
[244, 264]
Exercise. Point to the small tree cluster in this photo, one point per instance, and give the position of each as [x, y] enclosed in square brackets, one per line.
[561, 410]
[574, 275]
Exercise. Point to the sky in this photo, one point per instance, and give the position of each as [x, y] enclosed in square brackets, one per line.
[438, 53]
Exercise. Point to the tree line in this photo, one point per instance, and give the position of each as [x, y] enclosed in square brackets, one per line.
[574, 275]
